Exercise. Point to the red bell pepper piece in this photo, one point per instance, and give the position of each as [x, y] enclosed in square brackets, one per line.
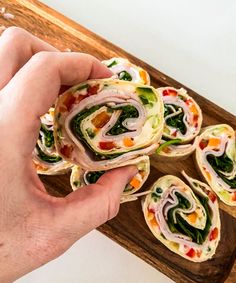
[93, 89]
[212, 196]
[214, 234]
[191, 253]
[169, 92]
[69, 101]
[107, 145]
[203, 144]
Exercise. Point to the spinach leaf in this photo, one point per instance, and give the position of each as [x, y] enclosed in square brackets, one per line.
[204, 202]
[124, 76]
[176, 121]
[76, 121]
[47, 158]
[183, 227]
[222, 163]
[182, 203]
[92, 177]
[128, 111]
[48, 136]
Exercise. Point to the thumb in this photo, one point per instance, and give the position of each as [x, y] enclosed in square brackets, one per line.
[93, 205]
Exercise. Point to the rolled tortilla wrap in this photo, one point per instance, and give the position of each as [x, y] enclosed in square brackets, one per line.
[123, 69]
[45, 157]
[183, 120]
[101, 124]
[185, 220]
[80, 177]
[216, 160]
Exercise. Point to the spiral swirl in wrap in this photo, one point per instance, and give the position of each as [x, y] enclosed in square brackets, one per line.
[185, 220]
[183, 120]
[216, 160]
[45, 157]
[100, 124]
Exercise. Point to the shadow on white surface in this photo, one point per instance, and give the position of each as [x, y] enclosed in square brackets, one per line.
[96, 259]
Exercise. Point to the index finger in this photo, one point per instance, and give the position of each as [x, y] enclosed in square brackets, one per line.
[35, 88]
[17, 46]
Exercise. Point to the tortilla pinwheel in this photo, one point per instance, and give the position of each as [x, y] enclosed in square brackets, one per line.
[101, 124]
[183, 120]
[216, 160]
[45, 157]
[124, 70]
[185, 220]
[80, 177]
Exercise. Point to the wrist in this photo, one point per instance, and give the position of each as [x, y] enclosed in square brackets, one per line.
[14, 262]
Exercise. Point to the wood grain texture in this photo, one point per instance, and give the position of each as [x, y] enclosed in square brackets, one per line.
[129, 228]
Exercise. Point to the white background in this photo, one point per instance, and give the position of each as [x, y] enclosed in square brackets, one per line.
[191, 41]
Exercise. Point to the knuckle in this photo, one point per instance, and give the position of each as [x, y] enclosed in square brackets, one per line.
[15, 33]
[112, 201]
[88, 57]
[42, 57]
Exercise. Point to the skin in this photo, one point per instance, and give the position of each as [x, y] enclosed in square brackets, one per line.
[35, 227]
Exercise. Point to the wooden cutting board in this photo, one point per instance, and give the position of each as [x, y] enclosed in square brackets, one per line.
[129, 228]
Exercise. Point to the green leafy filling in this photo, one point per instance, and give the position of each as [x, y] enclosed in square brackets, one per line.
[48, 136]
[225, 164]
[124, 76]
[76, 121]
[183, 227]
[47, 158]
[128, 111]
[175, 121]
[92, 177]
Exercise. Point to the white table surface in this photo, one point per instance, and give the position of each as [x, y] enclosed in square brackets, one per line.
[191, 41]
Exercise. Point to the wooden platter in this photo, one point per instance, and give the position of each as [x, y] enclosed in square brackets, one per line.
[132, 232]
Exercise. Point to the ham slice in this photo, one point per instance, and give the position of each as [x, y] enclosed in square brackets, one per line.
[173, 207]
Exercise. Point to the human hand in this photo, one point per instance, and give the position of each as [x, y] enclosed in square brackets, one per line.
[35, 227]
